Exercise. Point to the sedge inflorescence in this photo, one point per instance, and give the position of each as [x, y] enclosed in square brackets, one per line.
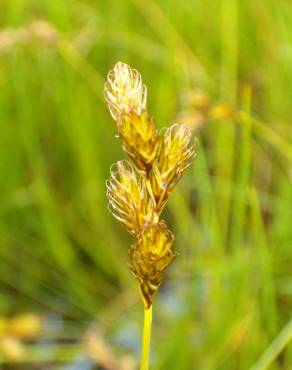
[138, 189]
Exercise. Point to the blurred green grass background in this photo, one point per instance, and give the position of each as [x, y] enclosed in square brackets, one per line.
[223, 66]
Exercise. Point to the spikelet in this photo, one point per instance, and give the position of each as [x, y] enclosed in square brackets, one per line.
[174, 156]
[129, 199]
[150, 256]
[124, 91]
[137, 192]
[126, 97]
[139, 138]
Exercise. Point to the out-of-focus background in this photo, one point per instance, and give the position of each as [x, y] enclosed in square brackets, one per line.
[67, 298]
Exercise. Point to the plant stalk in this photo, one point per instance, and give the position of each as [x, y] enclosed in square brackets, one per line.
[146, 338]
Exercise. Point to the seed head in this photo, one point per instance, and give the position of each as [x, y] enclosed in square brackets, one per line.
[150, 256]
[138, 191]
[124, 91]
[129, 199]
[174, 156]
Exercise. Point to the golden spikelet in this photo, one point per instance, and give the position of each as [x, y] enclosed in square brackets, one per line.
[139, 138]
[129, 199]
[126, 97]
[174, 156]
[138, 192]
[124, 91]
[150, 256]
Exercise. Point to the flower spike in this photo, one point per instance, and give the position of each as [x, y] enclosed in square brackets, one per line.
[138, 190]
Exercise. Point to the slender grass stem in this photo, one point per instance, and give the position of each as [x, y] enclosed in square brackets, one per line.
[146, 338]
[275, 348]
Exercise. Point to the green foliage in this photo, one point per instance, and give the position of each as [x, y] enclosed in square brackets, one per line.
[227, 299]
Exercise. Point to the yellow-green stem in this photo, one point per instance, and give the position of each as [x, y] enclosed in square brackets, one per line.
[146, 338]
